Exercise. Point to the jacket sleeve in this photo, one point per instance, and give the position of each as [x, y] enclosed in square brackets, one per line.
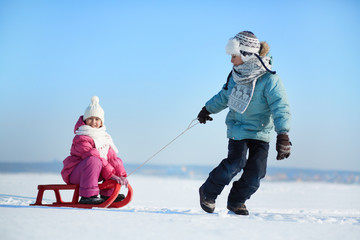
[107, 171]
[218, 102]
[117, 163]
[277, 99]
[119, 167]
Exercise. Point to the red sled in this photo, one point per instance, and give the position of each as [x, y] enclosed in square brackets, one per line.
[109, 203]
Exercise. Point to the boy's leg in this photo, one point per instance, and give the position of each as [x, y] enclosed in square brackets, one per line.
[254, 170]
[227, 169]
[86, 174]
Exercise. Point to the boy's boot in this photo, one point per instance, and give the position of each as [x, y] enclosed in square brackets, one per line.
[239, 209]
[208, 205]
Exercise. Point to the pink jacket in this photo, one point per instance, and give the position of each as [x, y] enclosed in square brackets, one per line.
[84, 147]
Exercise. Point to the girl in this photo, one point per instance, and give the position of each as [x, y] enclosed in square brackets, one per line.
[93, 157]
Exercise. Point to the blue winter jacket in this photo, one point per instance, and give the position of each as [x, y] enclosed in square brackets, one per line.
[268, 107]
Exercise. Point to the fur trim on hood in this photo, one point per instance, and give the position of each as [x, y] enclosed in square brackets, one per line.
[264, 49]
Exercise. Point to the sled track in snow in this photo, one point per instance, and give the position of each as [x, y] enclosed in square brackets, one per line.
[351, 217]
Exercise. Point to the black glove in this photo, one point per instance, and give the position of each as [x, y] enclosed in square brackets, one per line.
[283, 146]
[203, 116]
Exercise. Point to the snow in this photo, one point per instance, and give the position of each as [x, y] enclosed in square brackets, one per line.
[168, 208]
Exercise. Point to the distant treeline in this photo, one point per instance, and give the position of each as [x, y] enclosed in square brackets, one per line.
[198, 171]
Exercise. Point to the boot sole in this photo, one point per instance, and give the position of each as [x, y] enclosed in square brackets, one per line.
[237, 211]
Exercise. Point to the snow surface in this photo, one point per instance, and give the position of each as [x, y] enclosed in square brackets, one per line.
[168, 208]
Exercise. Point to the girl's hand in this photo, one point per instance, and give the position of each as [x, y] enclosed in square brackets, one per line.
[120, 180]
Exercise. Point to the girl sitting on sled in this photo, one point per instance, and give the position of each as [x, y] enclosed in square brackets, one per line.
[93, 157]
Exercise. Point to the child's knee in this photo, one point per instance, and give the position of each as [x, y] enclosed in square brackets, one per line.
[93, 162]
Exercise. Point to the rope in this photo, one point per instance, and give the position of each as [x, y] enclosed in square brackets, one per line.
[191, 125]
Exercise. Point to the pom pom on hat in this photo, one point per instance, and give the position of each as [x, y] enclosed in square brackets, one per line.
[233, 47]
[94, 110]
[95, 100]
[243, 41]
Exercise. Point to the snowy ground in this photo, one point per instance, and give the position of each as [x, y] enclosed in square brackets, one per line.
[168, 208]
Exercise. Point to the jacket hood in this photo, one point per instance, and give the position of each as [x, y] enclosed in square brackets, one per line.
[79, 123]
[265, 51]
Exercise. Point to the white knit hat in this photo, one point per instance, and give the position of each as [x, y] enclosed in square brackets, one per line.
[245, 41]
[94, 110]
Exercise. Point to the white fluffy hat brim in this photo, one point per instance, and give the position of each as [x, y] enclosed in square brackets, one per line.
[233, 47]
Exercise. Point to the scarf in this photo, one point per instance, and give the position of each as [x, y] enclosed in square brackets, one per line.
[245, 77]
[102, 139]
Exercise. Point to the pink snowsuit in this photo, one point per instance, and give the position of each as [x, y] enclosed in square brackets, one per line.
[85, 167]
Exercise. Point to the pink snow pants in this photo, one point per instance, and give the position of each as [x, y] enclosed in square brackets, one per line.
[87, 175]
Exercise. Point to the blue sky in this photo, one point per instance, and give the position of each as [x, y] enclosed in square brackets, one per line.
[154, 64]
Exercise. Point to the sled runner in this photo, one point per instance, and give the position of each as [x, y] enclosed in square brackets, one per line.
[109, 203]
